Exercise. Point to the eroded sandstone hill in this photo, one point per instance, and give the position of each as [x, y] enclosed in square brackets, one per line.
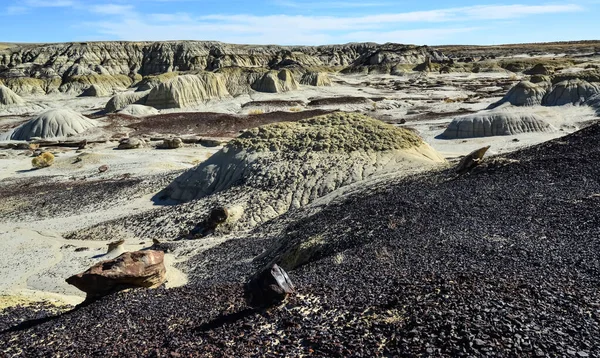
[60, 64]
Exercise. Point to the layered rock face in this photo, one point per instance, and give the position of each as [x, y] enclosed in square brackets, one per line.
[35, 69]
[187, 90]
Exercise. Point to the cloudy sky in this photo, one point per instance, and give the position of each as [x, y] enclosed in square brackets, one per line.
[299, 22]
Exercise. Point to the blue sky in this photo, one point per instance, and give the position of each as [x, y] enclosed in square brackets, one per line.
[299, 22]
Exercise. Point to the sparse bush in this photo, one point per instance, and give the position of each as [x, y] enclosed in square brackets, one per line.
[255, 112]
[295, 109]
[43, 160]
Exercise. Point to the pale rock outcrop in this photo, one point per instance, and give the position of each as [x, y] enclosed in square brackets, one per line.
[506, 121]
[523, 93]
[9, 98]
[129, 270]
[150, 58]
[122, 100]
[53, 123]
[594, 102]
[276, 82]
[239, 80]
[96, 91]
[187, 90]
[575, 91]
[76, 85]
[319, 79]
[269, 170]
[139, 110]
[130, 143]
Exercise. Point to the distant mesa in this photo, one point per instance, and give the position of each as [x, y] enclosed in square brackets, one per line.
[53, 123]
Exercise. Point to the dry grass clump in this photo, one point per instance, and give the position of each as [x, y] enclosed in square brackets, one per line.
[295, 109]
[43, 160]
[336, 132]
[256, 112]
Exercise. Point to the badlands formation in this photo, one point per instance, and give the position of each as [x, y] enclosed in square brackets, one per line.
[192, 198]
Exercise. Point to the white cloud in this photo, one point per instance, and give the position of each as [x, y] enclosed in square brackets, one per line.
[112, 9]
[302, 29]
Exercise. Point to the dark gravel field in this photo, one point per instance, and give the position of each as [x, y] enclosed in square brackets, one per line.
[503, 262]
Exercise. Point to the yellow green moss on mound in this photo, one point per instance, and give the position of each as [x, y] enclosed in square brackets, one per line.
[336, 132]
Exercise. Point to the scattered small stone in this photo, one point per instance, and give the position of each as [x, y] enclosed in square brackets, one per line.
[103, 168]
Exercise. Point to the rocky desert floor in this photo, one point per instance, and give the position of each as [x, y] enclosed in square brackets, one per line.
[403, 258]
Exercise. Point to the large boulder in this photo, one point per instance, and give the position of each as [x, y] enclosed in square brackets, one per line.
[574, 91]
[269, 287]
[129, 270]
[495, 123]
[9, 98]
[276, 82]
[188, 90]
[319, 79]
[53, 123]
[523, 93]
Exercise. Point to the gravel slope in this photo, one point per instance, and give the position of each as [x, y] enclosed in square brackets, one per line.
[503, 261]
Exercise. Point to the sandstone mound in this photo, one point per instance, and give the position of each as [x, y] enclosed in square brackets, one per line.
[574, 91]
[523, 93]
[540, 69]
[276, 82]
[316, 79]
[188, 90]
[270, 169]
[495, 123]
[96, 91]
[239, 80]
[9, 98]
[53, 123]
[122, 100]
[139, 110]
[105, 84]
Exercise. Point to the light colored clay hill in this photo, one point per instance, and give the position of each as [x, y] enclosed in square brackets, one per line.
[122, 100]
[316, 79]
[9, 98]
[523, 93]
[53, 123]
[507, 121]
[574, 91]
[276, 82]
[139, 110]
[187, 90]
[268, 170]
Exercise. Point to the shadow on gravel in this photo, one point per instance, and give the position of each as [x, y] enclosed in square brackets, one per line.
[225, 319]
[33, 322]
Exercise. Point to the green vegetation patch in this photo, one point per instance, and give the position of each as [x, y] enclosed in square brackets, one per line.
[336, 132]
